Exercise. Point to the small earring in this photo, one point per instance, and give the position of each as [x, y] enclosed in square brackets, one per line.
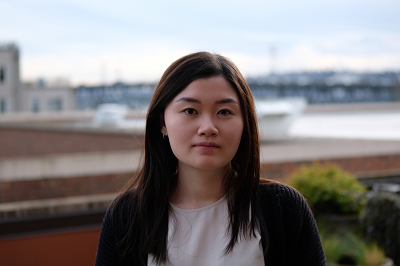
[163, 136]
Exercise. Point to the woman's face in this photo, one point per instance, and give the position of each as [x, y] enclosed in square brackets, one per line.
[204, 124]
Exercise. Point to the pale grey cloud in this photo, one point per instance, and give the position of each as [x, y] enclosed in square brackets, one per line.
[75, 38]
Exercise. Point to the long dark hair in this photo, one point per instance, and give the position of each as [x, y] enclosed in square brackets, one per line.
[153, 183]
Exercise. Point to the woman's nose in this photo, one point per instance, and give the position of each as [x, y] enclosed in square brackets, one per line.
[207, 127]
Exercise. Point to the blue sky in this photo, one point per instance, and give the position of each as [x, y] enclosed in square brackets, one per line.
[89, 42]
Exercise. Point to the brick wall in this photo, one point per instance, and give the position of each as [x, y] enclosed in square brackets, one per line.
[62, 187]
[17, 142]
[359, 166]
[28, 142]
[112, 183]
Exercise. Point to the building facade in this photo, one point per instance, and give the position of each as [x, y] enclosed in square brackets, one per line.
[42, 98]
[16, 96]
[9, 78]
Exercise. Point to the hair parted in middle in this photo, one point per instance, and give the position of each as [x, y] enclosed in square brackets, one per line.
[156, 177]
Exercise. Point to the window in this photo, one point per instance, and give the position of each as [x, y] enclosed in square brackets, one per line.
[3, 106]
[2, 75]
[55, 104]
[35, 105]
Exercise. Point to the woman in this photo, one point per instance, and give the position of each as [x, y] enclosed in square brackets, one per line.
[198, 198]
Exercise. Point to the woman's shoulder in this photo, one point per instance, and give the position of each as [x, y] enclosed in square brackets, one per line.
[275, 188]
[114, 228]
[294, 229]
[121, 205]
[280, 194]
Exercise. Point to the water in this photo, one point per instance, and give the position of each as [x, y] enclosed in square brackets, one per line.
[365, 125]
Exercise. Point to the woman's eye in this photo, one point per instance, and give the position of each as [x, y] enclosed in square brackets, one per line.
[225, 112]
[190, 111]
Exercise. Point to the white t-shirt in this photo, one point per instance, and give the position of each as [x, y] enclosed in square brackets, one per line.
[199, 237]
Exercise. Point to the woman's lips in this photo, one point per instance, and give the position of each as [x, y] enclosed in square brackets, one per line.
[206, 145]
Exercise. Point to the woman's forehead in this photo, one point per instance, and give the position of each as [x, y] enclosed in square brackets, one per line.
[212, 88]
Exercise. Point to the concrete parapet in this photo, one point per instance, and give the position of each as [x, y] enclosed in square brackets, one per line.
[68, 165]
[33, 141]
[54, 206]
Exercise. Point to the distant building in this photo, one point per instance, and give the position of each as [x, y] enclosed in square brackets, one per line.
[39, 96]
[9, 78]
[329, 87]
[133, 96]
[42, 97]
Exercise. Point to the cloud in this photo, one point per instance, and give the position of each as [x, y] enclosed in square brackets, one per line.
[144, 62]
[90, 41]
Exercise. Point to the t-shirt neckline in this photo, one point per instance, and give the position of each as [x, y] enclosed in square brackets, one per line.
[199, 209]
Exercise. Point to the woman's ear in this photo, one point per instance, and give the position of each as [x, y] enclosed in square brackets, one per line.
[163, 127]
[164, 130]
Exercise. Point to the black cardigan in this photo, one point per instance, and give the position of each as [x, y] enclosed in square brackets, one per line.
[293, 234]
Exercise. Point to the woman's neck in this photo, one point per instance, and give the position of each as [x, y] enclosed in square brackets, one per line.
[198, 188]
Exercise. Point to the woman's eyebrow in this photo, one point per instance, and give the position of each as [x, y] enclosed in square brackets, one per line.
[193, 100]
[188, 99]
[227, 100]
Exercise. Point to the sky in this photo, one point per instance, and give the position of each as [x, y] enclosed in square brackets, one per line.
[94, 41]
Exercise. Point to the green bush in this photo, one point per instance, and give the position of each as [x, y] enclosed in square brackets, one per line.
[349, 249]
[381, 222]
[329, 189]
